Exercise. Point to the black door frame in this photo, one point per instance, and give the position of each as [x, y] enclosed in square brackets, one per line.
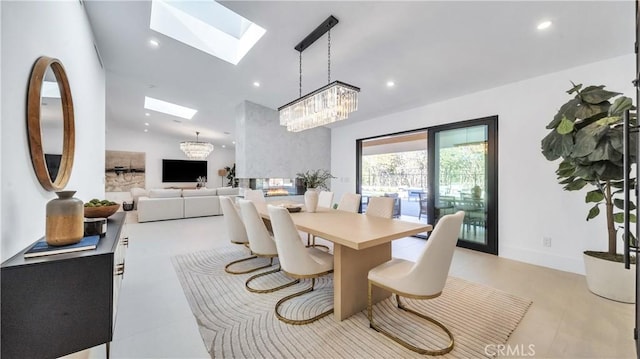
[492, 173]
[492, 178]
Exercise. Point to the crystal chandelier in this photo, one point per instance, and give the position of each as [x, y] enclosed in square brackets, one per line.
[196, 150]
[328, 104]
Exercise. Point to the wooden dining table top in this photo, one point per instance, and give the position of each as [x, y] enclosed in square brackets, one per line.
[353, 230]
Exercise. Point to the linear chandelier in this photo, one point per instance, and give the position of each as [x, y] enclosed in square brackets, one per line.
[328, 104]
[196, 150]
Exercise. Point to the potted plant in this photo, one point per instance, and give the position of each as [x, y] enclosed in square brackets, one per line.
[586, 134]
[231, 176]
[313, 180]
[202, 182]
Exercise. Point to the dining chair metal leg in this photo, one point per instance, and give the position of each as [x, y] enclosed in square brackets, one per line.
[226, 268]
[405, 344]
[313, 244]
[300, 321]
[269, 290]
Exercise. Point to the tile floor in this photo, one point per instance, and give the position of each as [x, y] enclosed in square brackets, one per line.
[154, 319]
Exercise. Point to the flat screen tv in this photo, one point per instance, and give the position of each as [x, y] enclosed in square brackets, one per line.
[182, 170]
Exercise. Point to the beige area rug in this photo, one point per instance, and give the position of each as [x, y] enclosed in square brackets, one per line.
[235, 323]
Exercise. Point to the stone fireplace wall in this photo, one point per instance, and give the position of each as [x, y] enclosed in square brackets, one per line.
[264, 149]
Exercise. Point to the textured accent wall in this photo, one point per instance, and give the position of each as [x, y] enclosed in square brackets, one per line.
[264, 149]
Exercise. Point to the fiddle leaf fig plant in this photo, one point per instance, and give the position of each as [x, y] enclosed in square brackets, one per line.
[586, 134]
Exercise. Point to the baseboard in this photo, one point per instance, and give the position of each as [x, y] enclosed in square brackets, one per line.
[545, 259]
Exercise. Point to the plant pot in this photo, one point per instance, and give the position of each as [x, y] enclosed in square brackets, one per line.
[610, 279]
[311, 200]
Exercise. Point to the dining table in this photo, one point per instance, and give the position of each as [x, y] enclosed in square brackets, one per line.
[360, 243]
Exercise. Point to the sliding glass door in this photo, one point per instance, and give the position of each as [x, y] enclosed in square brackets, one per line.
[464, 178]
[395, 166]
[436, 171]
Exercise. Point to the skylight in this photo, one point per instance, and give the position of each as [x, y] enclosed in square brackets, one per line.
[169, 108]
[50, 89]
[207, 26]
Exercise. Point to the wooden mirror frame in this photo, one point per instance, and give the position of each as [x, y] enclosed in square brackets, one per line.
[34, 127]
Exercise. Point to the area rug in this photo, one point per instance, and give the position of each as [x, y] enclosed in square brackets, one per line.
[235, 323]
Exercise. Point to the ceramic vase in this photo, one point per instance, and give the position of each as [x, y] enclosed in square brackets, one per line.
[65, 220]
[311, 200]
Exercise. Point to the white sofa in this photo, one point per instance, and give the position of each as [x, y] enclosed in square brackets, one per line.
[162, 204]
[201, 202]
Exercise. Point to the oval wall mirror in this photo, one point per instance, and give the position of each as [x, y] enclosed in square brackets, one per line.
[50, 123]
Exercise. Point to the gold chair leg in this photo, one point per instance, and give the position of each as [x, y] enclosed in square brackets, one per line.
[300, 321]
[372, 325]
[226, 268]
[311, 242]
[269, 290]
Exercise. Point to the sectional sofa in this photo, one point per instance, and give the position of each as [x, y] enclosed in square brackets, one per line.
[163, 204]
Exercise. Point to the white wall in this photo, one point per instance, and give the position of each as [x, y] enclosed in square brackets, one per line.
[532, 205]
[157, 147]
[60, 30]
[1, 117]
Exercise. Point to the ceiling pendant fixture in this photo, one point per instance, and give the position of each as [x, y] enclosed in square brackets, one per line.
[196, 150]
[328, 104]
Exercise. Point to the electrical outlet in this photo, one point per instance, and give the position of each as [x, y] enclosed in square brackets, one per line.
[546, 241]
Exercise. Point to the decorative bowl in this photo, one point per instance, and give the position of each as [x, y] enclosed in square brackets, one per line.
[294, 209]
[100, 212]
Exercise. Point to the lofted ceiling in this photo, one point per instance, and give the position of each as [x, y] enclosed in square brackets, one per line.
[432, 50]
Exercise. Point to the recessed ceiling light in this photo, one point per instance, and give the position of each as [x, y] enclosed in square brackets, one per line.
[256, 84]
[146, 123]
[224, 146]
[390, 83]
[169, 108]
[147, 114]
[234, 142]
[544, 25]
[146, 130]
[154, 43]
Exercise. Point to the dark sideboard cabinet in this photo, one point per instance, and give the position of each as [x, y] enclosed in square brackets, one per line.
[60, 304]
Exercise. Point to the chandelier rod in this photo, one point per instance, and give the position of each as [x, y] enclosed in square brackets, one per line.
[329, 57]
[323, 28]
[326, 25]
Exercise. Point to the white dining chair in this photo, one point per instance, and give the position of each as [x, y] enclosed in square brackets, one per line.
[296, 260]
[261, 244]
[325, 199]
[380, 207]
[236, 232]
[349, 202]
[424, 279]
[255, 195]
